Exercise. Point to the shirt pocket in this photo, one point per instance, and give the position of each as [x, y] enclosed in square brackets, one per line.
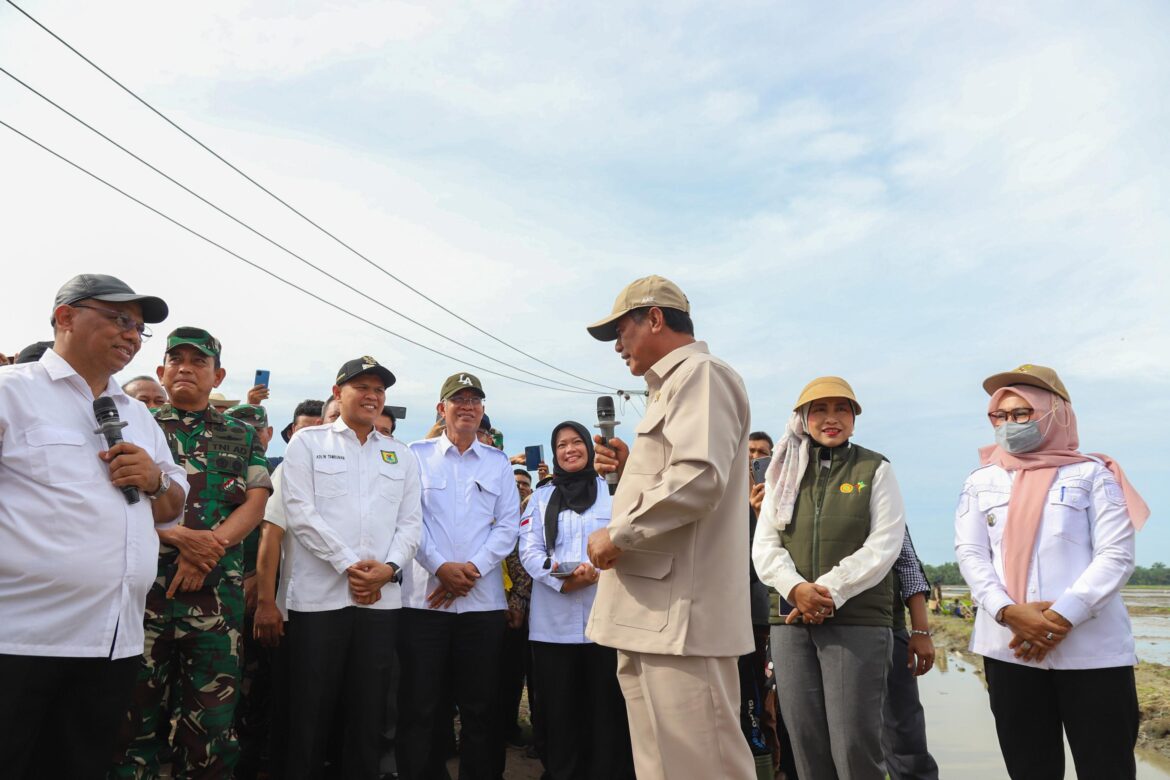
[645, 575]
[1068, 510]
[58, 456]
[330, 478]
[648, 454]
[993, 507]
[391, 480]
[484, 498]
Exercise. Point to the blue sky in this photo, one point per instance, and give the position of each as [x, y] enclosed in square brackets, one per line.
[911, 195]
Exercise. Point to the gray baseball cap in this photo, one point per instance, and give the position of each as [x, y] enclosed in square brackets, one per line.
[102, 287]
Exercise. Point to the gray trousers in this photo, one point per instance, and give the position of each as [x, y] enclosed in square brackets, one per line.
[904, 722]
[832, 678]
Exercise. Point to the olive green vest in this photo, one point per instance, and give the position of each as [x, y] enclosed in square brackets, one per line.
[831, 521]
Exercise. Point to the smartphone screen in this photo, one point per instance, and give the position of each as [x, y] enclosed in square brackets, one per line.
[533, 456]
[760, 468]
[262, 376]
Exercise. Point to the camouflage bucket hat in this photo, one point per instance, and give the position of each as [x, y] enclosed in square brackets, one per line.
[253, 414]
[196, 337]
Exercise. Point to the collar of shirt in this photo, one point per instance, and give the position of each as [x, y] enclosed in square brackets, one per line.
[59, 368]
[446, 444]
[209, 414]
[339, 427]
[667, 363]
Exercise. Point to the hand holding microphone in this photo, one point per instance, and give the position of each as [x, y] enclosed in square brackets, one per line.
[609, 453]
[131, 468]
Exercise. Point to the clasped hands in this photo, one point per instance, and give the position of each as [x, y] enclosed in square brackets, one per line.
[455, 580]
[366, 580]
[199, 552]
[811, 603]
[1036, 629]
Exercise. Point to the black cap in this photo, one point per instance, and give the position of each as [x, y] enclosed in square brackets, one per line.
[363, 365]
[32, 353]
[102, 287]
[484, 423]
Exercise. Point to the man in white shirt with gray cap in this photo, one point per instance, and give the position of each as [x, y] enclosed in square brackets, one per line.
[77, 527]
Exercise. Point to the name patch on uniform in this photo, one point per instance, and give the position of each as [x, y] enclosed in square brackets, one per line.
[389, 457]
[328, 456]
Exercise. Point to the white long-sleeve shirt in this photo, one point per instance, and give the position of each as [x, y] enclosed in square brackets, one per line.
[76, 561]
[1083, 556]
[554, 616]
[471, 513]
[344, 502]
[855, 573]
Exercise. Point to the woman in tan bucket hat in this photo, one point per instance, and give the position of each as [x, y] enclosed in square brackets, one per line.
[1044, 536]
[831, 526]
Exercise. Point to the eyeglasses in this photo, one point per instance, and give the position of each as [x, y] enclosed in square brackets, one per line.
[465, 400]
[121, 319]
[1015, 415]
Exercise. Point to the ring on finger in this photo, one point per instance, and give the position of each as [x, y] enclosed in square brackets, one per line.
[1026, 644]
[1048, 636]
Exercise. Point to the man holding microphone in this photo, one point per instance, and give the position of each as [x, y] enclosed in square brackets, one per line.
[79, 557]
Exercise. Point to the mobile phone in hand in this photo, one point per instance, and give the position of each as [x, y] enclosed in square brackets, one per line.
[760, 468]
[565, 569]
[533, 456]
[262, 376]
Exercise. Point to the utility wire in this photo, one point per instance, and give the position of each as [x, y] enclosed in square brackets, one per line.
[290, 207]
[272, 241]
[276, 276]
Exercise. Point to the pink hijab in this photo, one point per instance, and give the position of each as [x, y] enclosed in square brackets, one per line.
[1037, 469]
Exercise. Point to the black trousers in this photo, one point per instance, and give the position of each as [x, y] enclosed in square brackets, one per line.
[462, 651]
[904, 721]
[59, 717]
[338, 657]
[588, 735]
[1097, 709]
[514, 656]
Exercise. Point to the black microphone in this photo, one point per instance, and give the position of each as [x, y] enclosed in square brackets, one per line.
[111, 427]
[606, 422]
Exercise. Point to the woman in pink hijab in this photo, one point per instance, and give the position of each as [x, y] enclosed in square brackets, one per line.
[1044, 535]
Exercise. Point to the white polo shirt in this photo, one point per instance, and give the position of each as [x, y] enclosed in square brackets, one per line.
[345, 502]
[76, 560]
[554, 616]
[471, 512]
[1083, 556]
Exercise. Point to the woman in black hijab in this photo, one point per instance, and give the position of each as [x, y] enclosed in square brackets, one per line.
[588, 736]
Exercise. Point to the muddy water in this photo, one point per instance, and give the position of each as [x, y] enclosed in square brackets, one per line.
[961, 732]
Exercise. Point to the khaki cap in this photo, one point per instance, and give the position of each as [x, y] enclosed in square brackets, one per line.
[1027, 374]
[827, 387]
[647, 291]
[461, 381]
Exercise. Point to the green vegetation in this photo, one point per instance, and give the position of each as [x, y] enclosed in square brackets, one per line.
[1157, 575]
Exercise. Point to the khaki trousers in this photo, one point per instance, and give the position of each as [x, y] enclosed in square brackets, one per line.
[684, 717]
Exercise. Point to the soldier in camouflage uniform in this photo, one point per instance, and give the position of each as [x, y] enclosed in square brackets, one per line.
[195, 609]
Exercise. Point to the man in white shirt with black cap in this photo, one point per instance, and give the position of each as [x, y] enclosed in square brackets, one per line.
[453, 623]
[351, 498]
[78, 557]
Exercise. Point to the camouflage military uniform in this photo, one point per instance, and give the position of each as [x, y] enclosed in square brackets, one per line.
[193, 639]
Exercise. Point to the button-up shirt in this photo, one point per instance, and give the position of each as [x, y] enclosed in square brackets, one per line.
[471, 513]
[345, 502]
[76, 560]
[1082, 558]
[554, 616]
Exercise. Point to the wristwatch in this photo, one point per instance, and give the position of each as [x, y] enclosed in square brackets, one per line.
[164, 484]
[397, 572]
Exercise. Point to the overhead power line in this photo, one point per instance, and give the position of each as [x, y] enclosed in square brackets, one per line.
[272, 241]
[276, 276]
[292, 208]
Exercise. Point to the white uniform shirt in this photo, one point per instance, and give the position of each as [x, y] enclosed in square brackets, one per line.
[76, 560]
[344, 502]
[471, 512]
[554, 616]
[1082, 558]
[860, 570]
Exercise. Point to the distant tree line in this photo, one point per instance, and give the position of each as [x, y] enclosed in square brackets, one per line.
[948, 574]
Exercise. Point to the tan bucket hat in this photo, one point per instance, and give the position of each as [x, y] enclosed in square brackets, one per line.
[827, 387]
[647, 291]
[1027, 374]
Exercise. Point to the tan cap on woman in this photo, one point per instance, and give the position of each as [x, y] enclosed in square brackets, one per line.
[827, 387]
[1028, 374]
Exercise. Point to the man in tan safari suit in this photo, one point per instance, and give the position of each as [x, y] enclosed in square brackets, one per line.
[674, 600]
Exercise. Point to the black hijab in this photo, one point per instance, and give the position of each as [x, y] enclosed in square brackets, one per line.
[575, 490]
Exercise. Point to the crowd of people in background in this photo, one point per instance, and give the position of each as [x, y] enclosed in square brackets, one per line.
[737, 606]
